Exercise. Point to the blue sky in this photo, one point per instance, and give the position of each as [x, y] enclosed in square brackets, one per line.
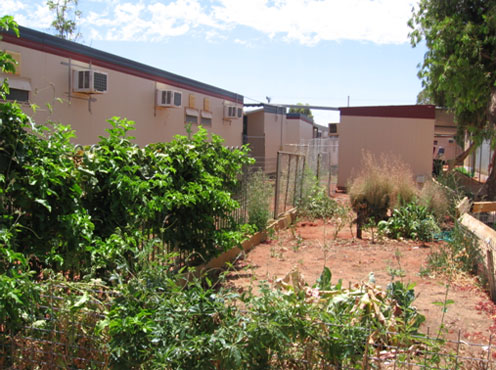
[310, 51]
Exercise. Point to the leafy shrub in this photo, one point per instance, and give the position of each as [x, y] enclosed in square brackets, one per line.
[382, 184]
[259, 194]
[315, 202]
[411, 221]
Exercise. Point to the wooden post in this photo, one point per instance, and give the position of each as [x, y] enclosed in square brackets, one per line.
[490, 274]
[276, 198]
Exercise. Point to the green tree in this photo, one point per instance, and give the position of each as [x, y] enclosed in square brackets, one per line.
[66, 17]
[303, 110]
[459, 67]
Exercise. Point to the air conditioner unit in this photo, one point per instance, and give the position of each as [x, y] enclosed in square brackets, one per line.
[230, 112]
[90, 81]
[169, 98]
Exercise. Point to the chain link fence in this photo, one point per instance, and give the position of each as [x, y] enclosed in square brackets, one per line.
[289, 182]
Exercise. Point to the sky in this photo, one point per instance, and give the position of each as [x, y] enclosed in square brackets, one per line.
[317, 52]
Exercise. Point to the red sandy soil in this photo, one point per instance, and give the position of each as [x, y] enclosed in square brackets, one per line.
[472, 315]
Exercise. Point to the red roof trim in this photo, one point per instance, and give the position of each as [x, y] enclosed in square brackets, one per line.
[85, 59]
[393, 111]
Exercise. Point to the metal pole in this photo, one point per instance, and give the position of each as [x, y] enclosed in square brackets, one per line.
[276, 200]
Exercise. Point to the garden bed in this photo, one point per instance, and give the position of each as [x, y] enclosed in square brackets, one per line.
[472, 315]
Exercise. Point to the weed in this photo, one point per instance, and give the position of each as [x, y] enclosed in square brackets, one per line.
[259, 192]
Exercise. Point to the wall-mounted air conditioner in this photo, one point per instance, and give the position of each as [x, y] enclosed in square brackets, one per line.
[230, 112]
[169, 98]
[90, 81]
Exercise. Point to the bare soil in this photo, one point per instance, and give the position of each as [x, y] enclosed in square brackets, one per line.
[310, 245]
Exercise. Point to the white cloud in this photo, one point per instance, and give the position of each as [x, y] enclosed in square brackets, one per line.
[307, 22]
[311, 21]
[30, 15]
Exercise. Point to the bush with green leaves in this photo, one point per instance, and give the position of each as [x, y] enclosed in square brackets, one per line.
[315, 202]
[411, 221]
[259, 195]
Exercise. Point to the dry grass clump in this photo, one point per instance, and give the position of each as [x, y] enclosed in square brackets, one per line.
[382, 183]
[433, 197]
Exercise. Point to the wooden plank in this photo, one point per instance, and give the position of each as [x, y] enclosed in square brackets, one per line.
[480, 207]
[463, 206]
[487, 244]
[481, 230]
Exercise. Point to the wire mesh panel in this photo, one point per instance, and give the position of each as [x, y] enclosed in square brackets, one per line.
[289, 181]
[61, 335]
[321, 159]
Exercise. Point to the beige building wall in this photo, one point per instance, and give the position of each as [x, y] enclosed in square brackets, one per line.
[409, 139]
[275, 131]
[130, 95]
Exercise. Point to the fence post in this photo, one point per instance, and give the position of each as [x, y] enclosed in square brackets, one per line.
[290, 158]
[276, 200]
[490, 273]
[489, 362]
[302, 181]
[318, 167]
[295, 180]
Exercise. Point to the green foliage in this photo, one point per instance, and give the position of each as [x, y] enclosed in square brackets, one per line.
[76, 208]
[66, 17]
[458, 68]
[411, 221]
[159, 322]
[7, 63]
[314, 202]
[464, 171]
[461, 253]
[259, 194]
[302, 110]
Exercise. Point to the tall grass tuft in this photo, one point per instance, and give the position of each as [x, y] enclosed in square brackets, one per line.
[383, 183]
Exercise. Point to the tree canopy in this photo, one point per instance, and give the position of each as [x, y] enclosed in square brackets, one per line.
[303, 110]
[459, 67]
[66, 17]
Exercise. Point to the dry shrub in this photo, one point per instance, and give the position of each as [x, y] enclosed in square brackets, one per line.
[382, 183]
[434, 199]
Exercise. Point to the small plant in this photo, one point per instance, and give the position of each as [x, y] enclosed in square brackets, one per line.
[315, 203]
[461, 253]
[411, 221]
[259, 196]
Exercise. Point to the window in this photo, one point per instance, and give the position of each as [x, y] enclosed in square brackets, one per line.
[191, 119]
[18, 95]
[191, 116]
[206, 118]
[19, 88]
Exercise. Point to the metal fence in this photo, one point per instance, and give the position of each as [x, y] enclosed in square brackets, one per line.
[290, 171]
[321, 159]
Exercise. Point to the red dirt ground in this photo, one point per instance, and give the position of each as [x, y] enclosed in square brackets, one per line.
[472, 313]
